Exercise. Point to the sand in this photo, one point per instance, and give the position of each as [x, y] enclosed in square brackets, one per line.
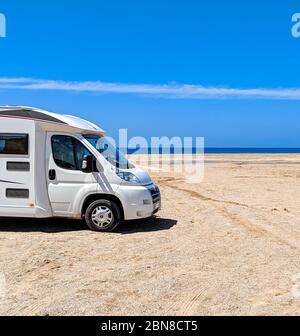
[229, 245]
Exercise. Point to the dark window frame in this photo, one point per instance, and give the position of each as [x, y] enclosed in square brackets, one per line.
[74, 140]
[26, 143]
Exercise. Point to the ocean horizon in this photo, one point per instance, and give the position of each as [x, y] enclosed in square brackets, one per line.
[220, 150]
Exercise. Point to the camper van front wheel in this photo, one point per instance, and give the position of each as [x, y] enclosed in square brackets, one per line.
[103, 216]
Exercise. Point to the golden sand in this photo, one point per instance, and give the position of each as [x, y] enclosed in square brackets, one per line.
[229, 245]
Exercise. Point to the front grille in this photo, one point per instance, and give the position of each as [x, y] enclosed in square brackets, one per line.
[155, 193]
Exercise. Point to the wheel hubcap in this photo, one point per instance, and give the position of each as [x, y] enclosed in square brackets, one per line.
[102, 216]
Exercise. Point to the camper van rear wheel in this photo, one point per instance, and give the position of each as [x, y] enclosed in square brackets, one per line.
[103, 215]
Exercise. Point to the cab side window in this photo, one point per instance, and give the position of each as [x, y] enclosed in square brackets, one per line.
[80, 152]
[68, 152]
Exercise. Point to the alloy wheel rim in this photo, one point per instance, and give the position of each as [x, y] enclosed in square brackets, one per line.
[102, 216]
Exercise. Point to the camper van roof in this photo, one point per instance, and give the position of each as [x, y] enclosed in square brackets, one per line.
[25, 112]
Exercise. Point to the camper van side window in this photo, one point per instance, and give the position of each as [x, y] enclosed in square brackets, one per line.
[15, 144]
[68, 152]
[63, 152]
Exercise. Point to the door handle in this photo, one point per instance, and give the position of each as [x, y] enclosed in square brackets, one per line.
[52, 174]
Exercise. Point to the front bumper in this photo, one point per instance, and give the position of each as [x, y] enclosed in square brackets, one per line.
[140, 201]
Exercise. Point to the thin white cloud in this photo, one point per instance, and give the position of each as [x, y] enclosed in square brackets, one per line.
[183, 91]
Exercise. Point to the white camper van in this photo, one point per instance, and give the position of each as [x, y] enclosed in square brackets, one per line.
[61, 166]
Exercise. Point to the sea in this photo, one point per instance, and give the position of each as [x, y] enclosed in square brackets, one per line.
[217, 150]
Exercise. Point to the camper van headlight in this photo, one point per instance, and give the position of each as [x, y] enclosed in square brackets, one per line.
[127, 176]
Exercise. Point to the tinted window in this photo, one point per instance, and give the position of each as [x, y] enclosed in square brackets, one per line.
[108, 150]
[14, 144]
[80, 153]
[68, 152]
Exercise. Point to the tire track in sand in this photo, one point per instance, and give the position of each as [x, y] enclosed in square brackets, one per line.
[266, 228]
[196, 297]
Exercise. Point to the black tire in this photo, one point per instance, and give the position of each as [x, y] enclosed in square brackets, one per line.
[108, 211]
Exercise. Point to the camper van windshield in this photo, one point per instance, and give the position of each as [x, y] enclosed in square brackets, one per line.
[107, 149]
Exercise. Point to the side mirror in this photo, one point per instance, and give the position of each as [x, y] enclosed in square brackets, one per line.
[88, 164]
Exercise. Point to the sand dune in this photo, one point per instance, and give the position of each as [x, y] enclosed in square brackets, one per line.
[229, 245]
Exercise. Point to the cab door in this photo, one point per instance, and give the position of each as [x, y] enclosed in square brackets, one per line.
[67, 184]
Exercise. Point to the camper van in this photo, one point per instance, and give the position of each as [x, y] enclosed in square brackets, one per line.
[55, 165]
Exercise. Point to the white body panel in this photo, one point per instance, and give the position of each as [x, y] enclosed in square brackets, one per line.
[17, 179]
[65, 195]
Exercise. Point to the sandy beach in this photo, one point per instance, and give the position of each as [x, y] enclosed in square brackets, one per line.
[229, 245]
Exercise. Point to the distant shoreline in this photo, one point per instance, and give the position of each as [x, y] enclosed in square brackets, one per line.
[216, 150]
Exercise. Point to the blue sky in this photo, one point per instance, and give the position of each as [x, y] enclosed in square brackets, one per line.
[225, 70]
